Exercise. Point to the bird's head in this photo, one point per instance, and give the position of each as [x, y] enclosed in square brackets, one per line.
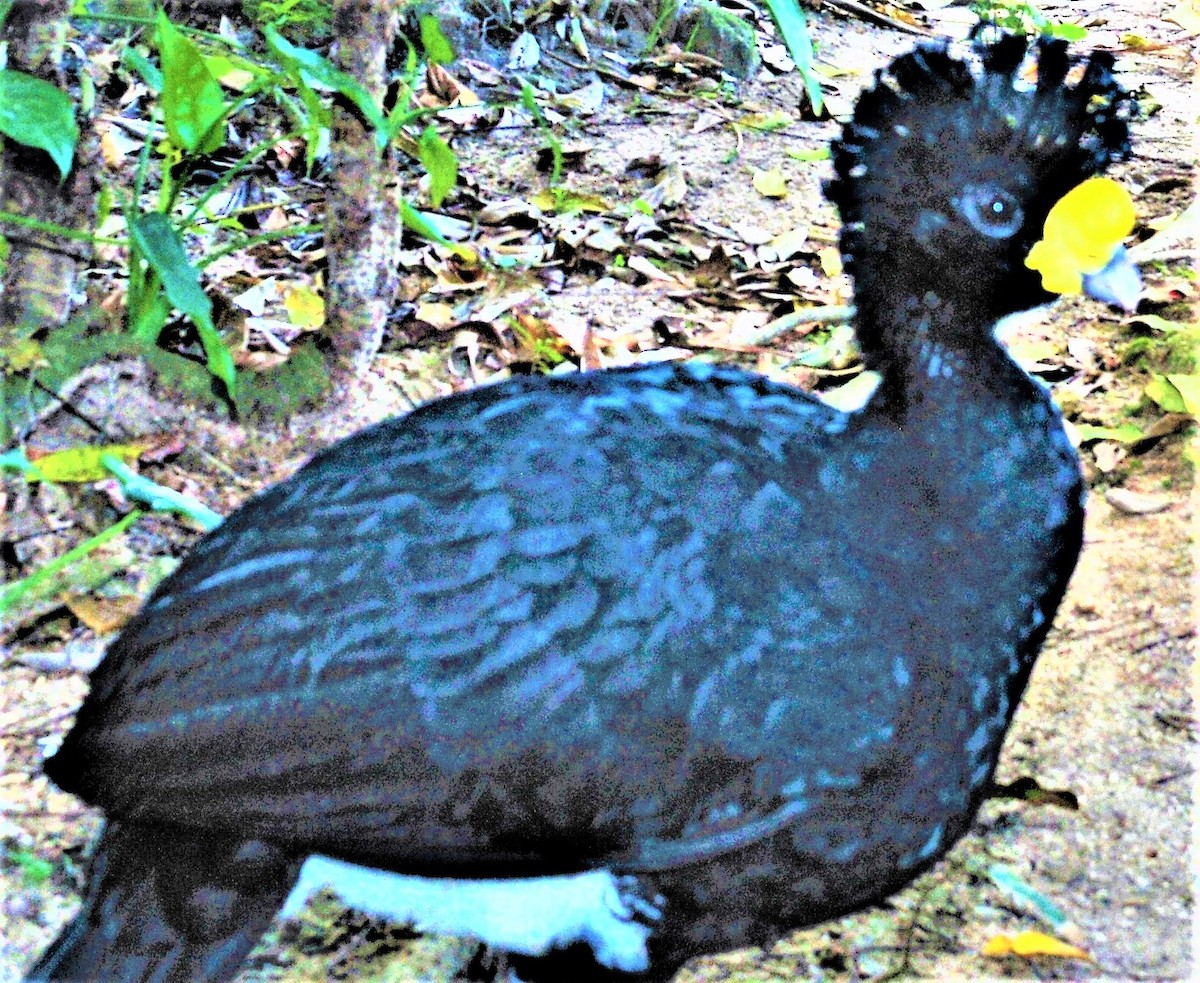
[969, 184]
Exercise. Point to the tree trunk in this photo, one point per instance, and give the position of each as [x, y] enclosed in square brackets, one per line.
[363, 223]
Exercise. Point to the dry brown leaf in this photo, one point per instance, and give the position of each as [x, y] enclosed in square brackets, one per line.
[103, 614]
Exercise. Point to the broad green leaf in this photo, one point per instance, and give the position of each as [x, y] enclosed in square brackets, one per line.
[1188, 387]
[1068, 32]
[1126, 433]
[192, 102]
[149, 317]
[158, 241]
[313, 68]
[437, 48]
[38, 114]
[1162, 391]
[441, 163]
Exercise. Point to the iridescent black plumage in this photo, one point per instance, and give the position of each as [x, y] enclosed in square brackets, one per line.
[679, 622]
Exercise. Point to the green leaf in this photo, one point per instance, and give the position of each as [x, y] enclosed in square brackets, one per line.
[440, 161]
[1155, 322]
[139, 64]
[1188, 387]
[12, 593]
[158, 242]
[192, 102]
[1163, 392]
[437, 48]
[38, 114]
[34, 870]
[793, 28]
[1126, 433]
[417, 223]
[808, 155]
[148, 317]
[1068, 32]
[312, 68]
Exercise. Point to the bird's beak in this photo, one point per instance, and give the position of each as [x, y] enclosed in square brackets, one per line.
[1081, 249]
[1119, 283]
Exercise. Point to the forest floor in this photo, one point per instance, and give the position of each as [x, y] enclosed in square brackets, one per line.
[1108, 715]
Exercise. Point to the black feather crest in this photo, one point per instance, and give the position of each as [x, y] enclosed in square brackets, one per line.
[912, 126]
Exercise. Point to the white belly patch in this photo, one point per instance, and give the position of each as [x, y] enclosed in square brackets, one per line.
[530, 916]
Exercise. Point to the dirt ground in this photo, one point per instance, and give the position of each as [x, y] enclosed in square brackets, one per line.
[1108, 714]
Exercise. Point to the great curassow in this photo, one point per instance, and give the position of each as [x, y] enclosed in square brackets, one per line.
[646, 663]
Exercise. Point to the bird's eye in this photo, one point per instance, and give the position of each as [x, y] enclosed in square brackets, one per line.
[992, 211]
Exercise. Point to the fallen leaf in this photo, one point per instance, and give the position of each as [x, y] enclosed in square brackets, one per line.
[440, 316]
[770, 184]
[81, 464]
[1187, 15]
[305, 307]
[1028, 944]
[103, 614]
[788, 243]
[1136, 503]
[830, 258]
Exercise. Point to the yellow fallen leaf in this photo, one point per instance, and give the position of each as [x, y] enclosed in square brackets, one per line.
[564, 202]
[103, 614]
[831, 260]
[1029, 944]
[439, 315]
[305, 307]
[82, 464]
[770, 184]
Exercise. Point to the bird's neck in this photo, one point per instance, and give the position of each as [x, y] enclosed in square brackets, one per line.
[933, 359]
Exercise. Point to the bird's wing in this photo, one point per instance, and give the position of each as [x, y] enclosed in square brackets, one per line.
[549, 620]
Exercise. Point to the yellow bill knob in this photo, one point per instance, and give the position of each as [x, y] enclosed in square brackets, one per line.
[1083, 233]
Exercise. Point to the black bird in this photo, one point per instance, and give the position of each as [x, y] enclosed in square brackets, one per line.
[689, 656]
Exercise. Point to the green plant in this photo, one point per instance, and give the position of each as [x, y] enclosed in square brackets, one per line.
[194, 110]
[301, 21]
[1023, 17]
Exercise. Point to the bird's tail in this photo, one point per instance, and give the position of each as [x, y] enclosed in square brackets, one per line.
[169, 905]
